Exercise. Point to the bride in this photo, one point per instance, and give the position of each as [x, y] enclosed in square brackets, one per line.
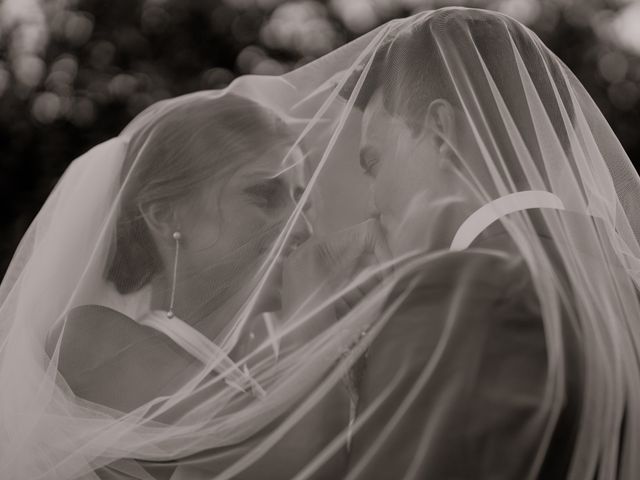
[416, 257]
[191, 225]
[150, 247]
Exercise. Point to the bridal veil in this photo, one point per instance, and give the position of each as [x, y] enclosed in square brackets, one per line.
[458, 273]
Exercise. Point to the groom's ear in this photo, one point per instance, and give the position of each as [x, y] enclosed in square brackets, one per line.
[441, 123]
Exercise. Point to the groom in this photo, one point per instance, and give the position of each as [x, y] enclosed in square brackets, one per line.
[460, 368]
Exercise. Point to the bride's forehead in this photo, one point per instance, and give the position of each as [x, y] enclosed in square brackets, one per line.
[279, 161]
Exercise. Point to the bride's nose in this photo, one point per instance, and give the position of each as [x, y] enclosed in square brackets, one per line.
[303, 228]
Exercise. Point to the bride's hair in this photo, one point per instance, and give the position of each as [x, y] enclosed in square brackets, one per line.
[186, 148]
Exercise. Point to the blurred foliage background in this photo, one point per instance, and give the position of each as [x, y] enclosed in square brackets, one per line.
[74, 72]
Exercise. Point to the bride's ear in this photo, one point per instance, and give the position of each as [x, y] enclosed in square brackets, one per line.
[441, 124]
[161, 219]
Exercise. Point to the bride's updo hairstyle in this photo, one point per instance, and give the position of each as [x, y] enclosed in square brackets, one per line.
[190, 146]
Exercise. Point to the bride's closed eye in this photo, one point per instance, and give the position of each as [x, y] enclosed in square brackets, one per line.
[268, 194]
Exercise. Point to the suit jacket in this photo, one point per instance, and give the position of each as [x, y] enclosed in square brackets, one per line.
[461, 369]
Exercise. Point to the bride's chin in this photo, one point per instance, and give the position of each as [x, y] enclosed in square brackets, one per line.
[271, 302]
[269, 298]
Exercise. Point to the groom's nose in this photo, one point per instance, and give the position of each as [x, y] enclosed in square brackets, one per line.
[374, 213]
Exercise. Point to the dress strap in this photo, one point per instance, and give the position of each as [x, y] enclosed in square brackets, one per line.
[492, 211]
[200, 347]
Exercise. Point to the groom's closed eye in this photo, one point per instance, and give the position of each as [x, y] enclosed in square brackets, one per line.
[369, 160]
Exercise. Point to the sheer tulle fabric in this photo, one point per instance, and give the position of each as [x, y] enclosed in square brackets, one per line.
[416, 257]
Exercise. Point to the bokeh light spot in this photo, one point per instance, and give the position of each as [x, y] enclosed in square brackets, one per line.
[249, 57]
[46, 107]
[624, 95]
[29, 70]
[102, 54]
[302, 27]
[122, 85]
[358, 15]
[82, 112]
[525, 11]
[625, 27]
[78, 28]
[268, 66]
[216, 78]
[613, 67]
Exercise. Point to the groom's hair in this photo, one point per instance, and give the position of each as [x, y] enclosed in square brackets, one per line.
[411, 70]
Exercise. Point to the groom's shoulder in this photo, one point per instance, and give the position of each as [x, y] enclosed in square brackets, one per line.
[476, 299]
[480, 290]
[476, 271]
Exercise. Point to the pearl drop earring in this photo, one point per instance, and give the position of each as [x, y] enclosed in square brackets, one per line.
[176, 236]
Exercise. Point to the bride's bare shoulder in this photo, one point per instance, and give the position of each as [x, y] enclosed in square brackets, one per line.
[91, 332]
[104, 353]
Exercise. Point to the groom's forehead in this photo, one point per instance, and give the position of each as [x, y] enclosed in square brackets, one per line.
[373, 115]
[377, 123]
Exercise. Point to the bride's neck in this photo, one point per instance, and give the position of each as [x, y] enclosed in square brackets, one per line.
[200, 302]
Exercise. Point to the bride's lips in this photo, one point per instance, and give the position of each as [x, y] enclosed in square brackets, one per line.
[269, 301]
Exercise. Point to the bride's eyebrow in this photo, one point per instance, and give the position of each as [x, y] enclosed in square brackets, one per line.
[258, 182]
[263, 175]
